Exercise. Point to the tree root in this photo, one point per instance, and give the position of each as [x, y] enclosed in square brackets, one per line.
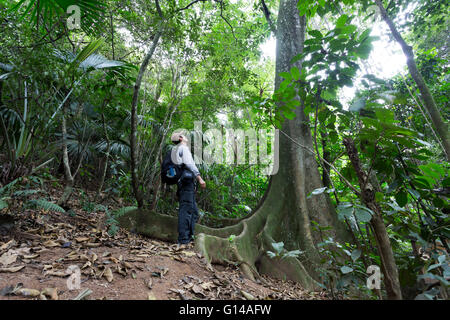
[244, 245]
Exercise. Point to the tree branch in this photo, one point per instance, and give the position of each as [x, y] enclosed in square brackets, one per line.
[266, 12]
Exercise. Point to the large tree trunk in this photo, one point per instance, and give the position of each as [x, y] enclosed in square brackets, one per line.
[284, 213]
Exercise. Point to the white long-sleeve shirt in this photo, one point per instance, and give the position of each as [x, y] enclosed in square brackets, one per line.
[182, 155]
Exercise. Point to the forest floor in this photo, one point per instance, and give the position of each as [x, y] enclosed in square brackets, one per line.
[39, 250]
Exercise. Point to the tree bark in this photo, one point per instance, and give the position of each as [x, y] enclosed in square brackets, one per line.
[389, 266]
[67, 172]
[428, 100]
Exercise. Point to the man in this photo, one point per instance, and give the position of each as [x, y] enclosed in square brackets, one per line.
[188, 211]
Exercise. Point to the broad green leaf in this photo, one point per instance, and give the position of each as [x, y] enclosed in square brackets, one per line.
[286, 75]
[295, 73]
[316, 34]
[289, 114]
[414, 193]
[355, 254]
[385, 115]
[346, 269]
[278, 246]
[362, 214]
[379, 196]
[328, 95]
[363, 50]
[344, 210]
[364, 34]
[402, 198]
[341, 21]
[317, 191]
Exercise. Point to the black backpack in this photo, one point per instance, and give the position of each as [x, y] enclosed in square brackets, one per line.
[170, 172]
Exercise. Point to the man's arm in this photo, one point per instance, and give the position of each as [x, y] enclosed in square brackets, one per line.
[190, 164]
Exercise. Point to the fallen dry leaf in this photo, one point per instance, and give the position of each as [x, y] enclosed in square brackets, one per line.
[120, 271]
[197, 289]
[52, 293]
[94, 257]
[151, 296]
[28, 292]
[20, 251]
[51, 244]
[12, 269]
[7, 258]
[8, 244]
[207, 285]
[61, 274]
[164, 271]
[108, 274]
[189, 253]
[31, 256]
[150, 283]
[247, 295]
[165, 253]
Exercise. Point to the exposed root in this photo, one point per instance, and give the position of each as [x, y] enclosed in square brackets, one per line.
[244, 244]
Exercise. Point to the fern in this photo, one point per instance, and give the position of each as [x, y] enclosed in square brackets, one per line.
[100, 207]
[24, 193]
[124, 210]
[3, 203]
[8, 187]
[46, 205]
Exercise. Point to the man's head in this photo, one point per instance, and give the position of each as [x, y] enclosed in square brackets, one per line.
[178, 137]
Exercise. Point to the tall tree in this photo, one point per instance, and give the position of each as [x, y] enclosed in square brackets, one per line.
[284, 213]
[427, 97]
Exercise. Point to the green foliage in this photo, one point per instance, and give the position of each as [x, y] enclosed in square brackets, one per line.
[281, 253]
[46, 205]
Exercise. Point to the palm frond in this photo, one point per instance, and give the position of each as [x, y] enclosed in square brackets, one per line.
[51, 10]
[85, 53]
[97, 61]
[6, 67]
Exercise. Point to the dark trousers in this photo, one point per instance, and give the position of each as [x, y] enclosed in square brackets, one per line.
[187, 212]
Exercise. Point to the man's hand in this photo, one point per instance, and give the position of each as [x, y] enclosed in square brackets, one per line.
[201, 182]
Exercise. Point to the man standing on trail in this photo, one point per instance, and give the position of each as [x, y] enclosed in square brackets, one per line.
[188, 211]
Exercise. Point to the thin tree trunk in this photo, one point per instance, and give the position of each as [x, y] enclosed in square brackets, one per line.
[428, 100]
[67, 172]
[105, 166]
[134, 150]
[389, 266]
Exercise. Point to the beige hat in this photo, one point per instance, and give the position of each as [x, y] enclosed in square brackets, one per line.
[176, 136]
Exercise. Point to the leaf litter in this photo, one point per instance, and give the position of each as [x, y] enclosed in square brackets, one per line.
[43, 245]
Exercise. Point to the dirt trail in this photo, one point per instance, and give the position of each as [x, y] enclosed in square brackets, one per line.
[37, 252]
